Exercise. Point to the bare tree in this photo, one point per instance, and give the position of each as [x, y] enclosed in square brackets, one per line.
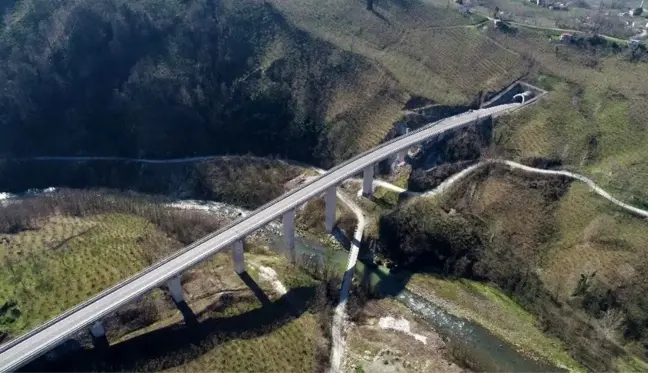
[611, 323]
[598, 18]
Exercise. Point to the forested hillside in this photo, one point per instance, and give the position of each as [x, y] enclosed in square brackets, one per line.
[173, 78]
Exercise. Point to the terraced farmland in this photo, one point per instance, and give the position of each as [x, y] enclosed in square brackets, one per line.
[431, 51]
[51, 269]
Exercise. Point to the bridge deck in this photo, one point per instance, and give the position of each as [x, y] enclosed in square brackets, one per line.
[23, 349]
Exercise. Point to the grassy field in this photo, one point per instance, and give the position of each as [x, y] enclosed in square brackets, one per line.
[431, 51]
[594, 237]
[578, 234]
[571, 263]
[310, 219]
[593, 118]
[494, 310]
[586, 230]
[242, 324]
[354, 123]
[67, 260]
[295, 345]
[245, 323]
[290, 348]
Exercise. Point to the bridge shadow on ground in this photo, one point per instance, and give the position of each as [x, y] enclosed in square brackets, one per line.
[190, 318]
[255, 288]
[296, 306]
[178, 344]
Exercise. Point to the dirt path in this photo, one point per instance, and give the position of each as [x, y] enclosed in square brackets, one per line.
[340, 316]
[517, 166]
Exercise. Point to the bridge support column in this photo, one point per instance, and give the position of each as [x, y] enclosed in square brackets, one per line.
[367, 181]
[98, 333]
[97, 330]
[237, 257]
[398, 160]
[330, 200]
[289, 234]
[402, 155]
[175, 287]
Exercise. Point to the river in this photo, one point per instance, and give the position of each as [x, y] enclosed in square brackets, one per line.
[485, 349]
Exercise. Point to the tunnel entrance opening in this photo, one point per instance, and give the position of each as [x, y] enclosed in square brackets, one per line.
[523, 97]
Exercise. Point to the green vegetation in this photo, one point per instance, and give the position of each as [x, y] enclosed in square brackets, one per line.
[386, 198]
[59, 249]
[491, 308]
[534, 239]
[402, 177]
[177, 79]
[187, 78]
[67, 261]
[433, 52]
[310, 222]
[290, 348]
[174, 78]
[245, 181]
[593, 119]
[239, 329]
[383, 201]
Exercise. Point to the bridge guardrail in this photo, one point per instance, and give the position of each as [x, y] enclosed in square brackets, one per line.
[190, 247]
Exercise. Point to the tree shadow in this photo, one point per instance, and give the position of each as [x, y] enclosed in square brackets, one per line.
[616, 244]
[179, 344]
[383, 284]
[68, 239]
[403, 196]
[381, 17]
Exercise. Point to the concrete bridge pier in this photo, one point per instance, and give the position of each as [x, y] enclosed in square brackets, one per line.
[175, 287]
[401, 156]
[98, 333]
[289, 234]
[237, 257]
[330, 200]
[97, 330]
[367, 181]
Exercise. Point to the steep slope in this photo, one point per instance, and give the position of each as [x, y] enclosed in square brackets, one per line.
[593, 120]
[172, 78]
[432, 51]
[572, 259]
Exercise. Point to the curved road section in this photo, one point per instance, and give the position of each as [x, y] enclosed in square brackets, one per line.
[22, 350]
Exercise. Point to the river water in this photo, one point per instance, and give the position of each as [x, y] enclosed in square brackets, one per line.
[485, 350]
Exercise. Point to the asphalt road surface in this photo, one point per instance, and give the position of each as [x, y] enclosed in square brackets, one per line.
[24, 349]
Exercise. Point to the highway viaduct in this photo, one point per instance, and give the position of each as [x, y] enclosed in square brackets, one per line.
[44, 338]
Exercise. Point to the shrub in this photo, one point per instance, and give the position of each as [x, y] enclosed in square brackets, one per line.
[422, 235]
